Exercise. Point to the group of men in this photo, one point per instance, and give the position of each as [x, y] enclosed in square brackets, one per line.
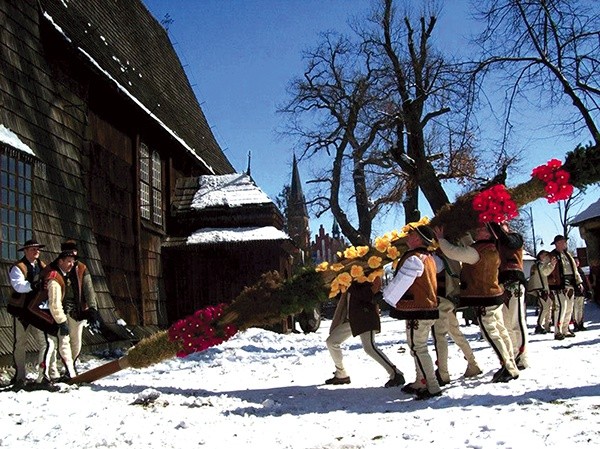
[431, 280]
[51, 303]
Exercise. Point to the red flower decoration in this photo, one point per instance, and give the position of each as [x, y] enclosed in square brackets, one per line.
[556, 179]
[200, 331]
[495, 204]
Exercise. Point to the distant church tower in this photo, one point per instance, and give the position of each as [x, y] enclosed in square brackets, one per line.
[297, 218]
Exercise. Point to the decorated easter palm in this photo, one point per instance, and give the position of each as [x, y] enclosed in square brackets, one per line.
[273, 298]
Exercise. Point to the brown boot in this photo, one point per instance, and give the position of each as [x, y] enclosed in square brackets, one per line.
[472, 370]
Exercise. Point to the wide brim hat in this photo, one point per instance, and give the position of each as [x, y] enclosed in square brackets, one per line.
[67, 253]
[426, 233]
[32, 244]
[69, 245]
[558, 238]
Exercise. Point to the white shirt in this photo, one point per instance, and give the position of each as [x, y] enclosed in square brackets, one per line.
[411, 269]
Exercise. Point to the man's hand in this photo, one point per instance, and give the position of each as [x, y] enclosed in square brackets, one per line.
[94, 320]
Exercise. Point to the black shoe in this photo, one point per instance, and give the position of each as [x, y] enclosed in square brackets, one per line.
[338, 380]
[569, 335]
[498, 374]
[539, 330]
[409, 389]
[559, 337]
[503, 376]
[395, 381]
[425, 394]
[441, 381]
[582, 327]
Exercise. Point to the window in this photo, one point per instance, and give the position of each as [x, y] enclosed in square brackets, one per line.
[151, 204]
[15, 201]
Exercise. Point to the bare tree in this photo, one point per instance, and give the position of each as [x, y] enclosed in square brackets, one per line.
[565, 210]
[392, 115]
[336, 96]
[547, 52]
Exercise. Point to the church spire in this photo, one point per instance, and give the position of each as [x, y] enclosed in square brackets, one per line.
[296, 200]
[297, 217]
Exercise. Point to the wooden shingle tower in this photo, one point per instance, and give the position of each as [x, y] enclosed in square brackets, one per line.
[297, 218]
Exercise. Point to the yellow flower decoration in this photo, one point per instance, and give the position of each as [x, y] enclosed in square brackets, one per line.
[374, 262]
[356, 271]
[362, 279]
[393, 252]
[362, 250]
[374, 275]
[351, 253]
[344, 279]
[415, 224]
[323, 266]
[335, 290]
[337, 267]
[382, 243]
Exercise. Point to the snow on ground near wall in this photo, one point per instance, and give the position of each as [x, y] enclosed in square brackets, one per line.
[265, 390]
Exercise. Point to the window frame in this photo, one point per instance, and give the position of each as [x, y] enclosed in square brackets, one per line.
[16, 200]
[150, 188]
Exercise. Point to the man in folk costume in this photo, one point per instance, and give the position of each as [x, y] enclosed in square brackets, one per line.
[538, 286]
[357, 313]
[49, 305]
[448, 291]
[81, 308]
[25, 280]
[581, 293]
[512, 278]
[412, 294]
[481, 289]
[563, 281]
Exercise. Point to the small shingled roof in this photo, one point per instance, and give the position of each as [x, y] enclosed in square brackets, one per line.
[131, 48]
[593, 211]
[232, 190]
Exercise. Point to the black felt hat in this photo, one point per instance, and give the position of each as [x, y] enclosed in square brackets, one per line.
[558, 238]
[33, 243]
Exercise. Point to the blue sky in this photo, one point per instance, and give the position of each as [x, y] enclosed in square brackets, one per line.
[240, 55]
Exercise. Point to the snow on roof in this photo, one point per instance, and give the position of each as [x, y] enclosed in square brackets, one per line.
[232, 190]
[217, 235]
[11, 139]
[593, 211]
[131, 96]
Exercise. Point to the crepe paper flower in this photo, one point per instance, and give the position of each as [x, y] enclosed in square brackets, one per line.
[374, 275]
[375, 261]
[323, 266]
[556, 180]
[337, 267]
[393, 252]
[415, 224]
[200, 331]
[362, 279]
[356, 271]
[350, 253]
[494, 205]
[382, 244]
[344, 279]
[362, 250]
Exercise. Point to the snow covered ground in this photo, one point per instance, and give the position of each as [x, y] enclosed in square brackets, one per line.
[265, 390]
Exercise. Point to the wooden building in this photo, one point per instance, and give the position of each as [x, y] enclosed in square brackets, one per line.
[227, 232]
[588, 222]
[99, 127]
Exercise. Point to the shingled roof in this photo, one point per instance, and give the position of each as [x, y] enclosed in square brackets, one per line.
[128, 47]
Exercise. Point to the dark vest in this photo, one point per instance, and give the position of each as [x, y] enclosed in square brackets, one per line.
[479, 284]
[19, 301]
[556, 279]
[420, 300]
